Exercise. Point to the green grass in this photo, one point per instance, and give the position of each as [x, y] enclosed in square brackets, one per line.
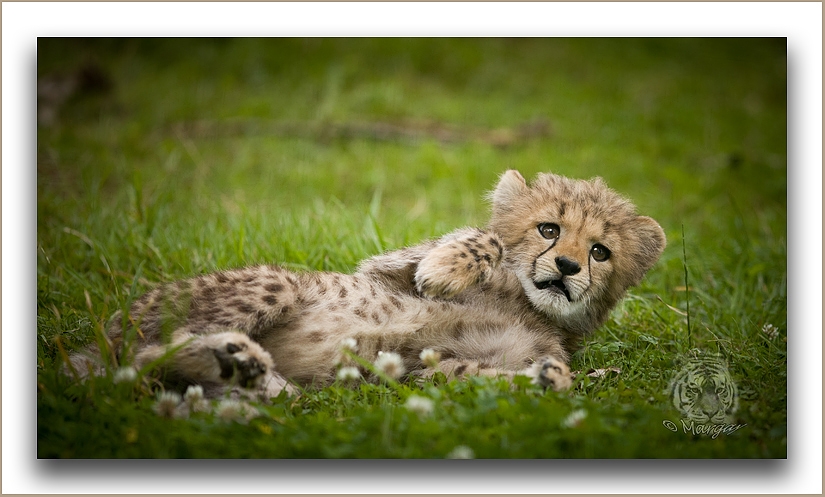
[288, 166]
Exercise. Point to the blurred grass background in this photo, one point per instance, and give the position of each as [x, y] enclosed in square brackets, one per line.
[163, 158]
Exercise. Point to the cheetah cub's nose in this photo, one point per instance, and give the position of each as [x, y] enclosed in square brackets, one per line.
[567, 267]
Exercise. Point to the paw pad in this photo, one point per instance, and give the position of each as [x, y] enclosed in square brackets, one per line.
[551, 373]
[233, 347]
[236, 363]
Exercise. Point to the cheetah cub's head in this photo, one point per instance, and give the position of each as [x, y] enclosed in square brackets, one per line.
[574, 245]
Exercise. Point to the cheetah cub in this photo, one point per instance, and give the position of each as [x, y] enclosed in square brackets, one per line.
[514, 298]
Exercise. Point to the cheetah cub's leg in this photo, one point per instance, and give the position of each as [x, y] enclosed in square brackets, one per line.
[228, 357]
[458, 262]
[550, 372]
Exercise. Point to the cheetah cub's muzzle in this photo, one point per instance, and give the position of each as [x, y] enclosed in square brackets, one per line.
[567, 267]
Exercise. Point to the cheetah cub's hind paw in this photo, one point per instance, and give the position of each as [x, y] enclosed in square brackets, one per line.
[240, 359]
[550, 373]
[458, 264]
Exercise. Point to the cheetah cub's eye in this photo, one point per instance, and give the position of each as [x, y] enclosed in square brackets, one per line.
[600, 252]
[549, 230]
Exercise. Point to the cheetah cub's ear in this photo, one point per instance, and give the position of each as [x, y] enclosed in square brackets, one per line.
[510, 186]
[648, 242]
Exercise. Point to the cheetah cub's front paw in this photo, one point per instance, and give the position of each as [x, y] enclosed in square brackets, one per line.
[456, 265]
[550, 372]
[241, 360]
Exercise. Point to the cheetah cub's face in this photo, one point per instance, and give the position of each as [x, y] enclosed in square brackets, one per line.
[575, 245]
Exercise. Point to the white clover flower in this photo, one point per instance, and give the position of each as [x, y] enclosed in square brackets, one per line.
[348, 346]
[348, 374]
[574, 418]
[229, 410]
[430, 357]
[461, 452]
[248, 411]
[193, 394]
[390, 364]
[125, 374]
[770, 330]
[419, 405]
[167, 404]
[194, 398]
